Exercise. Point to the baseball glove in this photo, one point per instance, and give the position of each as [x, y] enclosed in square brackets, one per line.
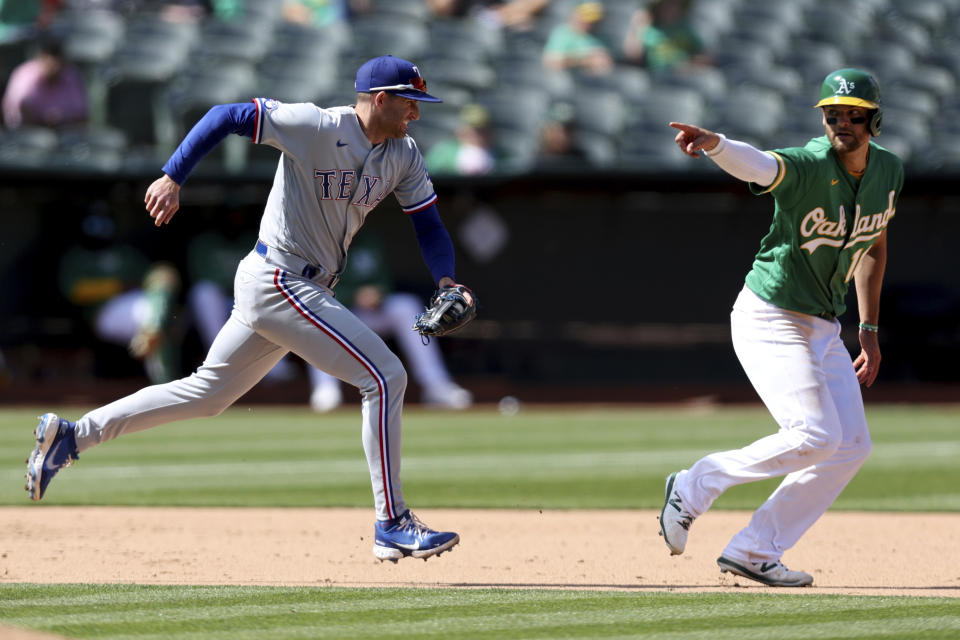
[450, 308]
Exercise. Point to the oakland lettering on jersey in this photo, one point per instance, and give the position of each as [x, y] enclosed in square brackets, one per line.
[337, 184]
[831, 233]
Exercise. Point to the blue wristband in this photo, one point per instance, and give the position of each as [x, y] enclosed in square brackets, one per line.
[869, 327]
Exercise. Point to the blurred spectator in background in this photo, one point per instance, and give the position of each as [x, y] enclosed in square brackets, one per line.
[572, 45]
[21, 18]
[469, 152]
[199, 10]
[558, 139]
[367, 289]
[320, 13]
[127, 300]
[45, 90]
[518, 15]
[663, 38]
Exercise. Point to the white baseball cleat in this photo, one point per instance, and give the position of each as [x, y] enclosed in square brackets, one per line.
[772, 574]
[675, 520]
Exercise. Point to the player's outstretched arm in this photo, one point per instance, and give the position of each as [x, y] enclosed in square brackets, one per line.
[163, 196]
[739, 159]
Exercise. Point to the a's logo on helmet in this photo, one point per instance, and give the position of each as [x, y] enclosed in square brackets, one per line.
[845, 87]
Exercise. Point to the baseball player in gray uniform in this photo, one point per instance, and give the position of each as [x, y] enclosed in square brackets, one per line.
[336, 165]
[833, 201]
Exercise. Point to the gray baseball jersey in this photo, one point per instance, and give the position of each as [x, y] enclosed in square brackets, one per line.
[328, 180]
[330, 177]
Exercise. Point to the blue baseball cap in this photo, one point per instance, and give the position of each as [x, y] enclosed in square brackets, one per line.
[393, 75]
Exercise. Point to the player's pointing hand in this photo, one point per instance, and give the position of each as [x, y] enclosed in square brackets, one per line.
[692, 138]
[162, 200]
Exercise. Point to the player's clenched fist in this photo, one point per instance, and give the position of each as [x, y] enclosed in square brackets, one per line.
[692, 138]
[162, 200]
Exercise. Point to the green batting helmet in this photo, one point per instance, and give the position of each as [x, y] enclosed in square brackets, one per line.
[853, 87]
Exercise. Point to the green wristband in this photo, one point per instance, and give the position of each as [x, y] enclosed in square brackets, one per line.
[869, 327]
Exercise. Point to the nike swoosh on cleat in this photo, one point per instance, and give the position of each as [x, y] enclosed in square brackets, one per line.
[412, 547]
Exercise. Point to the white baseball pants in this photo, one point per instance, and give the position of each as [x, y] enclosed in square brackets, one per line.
[803, 373]
[275, 312]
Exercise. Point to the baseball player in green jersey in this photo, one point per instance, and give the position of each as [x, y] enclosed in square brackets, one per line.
[833, 200]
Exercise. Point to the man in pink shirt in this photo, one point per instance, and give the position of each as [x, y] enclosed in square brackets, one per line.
[45, 91]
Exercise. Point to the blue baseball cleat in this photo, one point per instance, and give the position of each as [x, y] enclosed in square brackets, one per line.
[56, 449]
[406, 535]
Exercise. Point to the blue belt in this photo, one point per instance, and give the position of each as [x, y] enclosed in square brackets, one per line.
[294, 264]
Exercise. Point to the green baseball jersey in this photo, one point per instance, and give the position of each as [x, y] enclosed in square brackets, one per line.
[824, 222]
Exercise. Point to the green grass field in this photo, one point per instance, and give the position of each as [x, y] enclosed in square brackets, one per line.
[539, 458]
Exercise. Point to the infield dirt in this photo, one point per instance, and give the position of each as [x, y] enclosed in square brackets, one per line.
[847, 553]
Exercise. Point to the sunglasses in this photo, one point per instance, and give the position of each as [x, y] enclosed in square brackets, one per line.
[832, 117]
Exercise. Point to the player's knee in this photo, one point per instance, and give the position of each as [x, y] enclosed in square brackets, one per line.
[391, 376]
[396, 375]
[817, 444]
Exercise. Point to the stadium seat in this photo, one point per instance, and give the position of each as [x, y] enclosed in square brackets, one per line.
[516, 148]
[812, 59]
[515, 108]
[753, 110]
[885, 60]
[292, 39]
[601, 150]
[770, 34]
[600, 111]
[89, 37]
[530, 74]
[25, 147]
[91, 149]
[475, 76]
[905, 96]
[631, 82]
[650, 145]
[836, 23]
[400, 37]
[135, 100]
[783, 80]
[466, 40]
[408, 9]
[232, 41]
[751, 57]
[427, 133]
[666, 104]
[713, 19]
[709, 82]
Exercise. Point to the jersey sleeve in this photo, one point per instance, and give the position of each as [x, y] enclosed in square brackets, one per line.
[292, 128]
[414, 190]
[795, 167]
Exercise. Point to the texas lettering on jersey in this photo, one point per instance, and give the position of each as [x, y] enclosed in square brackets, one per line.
[337, 184]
